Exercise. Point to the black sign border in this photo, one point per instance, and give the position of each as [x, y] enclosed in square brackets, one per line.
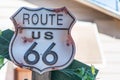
[73, 45]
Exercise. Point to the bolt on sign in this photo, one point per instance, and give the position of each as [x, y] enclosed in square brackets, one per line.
[42, 40]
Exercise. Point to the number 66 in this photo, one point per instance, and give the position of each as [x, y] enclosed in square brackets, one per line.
[37, 56]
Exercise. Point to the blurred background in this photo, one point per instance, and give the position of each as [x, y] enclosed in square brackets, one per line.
[96, 32]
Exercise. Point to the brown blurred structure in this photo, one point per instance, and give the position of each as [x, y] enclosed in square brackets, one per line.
[22, 74]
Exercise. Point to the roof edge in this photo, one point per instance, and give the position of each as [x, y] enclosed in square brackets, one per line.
[106, 11]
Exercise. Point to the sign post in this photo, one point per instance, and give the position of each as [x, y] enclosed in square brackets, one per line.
[42, 40]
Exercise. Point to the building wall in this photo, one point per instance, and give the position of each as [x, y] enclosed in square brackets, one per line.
[80, 11]
[106, 24]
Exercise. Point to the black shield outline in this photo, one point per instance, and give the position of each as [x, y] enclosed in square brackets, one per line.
[69, 33]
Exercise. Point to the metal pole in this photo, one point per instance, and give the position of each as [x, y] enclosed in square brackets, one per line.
[44, 76]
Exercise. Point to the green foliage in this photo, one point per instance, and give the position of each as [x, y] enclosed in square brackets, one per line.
[93, 69]
[1, 61]
[5, 37]
[0, 32]
[76, 71]
[85, 74]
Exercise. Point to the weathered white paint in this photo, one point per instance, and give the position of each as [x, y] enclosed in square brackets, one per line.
[51, 50]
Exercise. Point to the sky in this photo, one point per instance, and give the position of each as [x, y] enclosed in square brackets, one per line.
[112, 4]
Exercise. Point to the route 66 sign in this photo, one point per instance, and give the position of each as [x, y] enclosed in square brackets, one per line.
[42, 40]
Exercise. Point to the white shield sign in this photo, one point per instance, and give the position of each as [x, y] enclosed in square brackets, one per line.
[42, 40]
